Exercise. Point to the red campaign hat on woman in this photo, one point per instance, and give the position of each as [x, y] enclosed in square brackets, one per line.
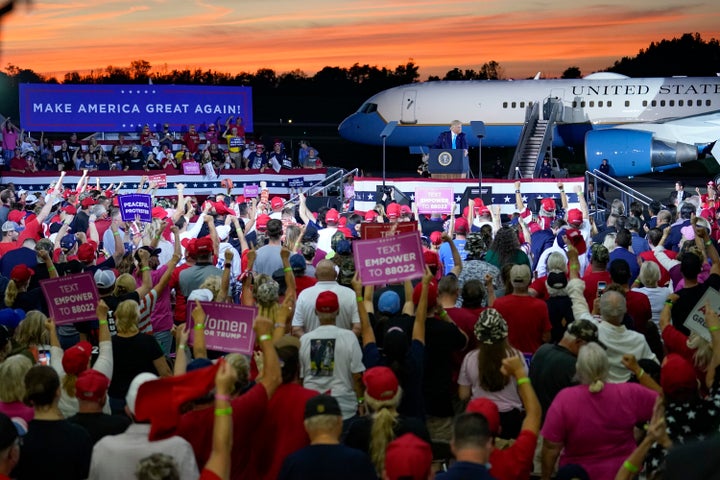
[75, 359]
[21, 273]
[380, 383]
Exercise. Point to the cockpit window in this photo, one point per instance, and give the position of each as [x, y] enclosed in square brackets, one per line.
[368, 108]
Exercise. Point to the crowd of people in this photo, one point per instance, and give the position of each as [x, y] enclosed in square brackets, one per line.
[538, 343]
[163, 151]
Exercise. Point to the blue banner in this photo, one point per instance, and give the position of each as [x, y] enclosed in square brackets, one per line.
[298, 182]
[127, 108]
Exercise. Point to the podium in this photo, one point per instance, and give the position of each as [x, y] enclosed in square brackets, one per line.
[447, 163]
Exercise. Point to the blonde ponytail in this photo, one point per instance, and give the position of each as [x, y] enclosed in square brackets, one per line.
[381, 434]
[11, 293]
[596, 386]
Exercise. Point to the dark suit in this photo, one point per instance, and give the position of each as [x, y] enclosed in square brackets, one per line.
[675, 236]
[444, 140]
[674, 197]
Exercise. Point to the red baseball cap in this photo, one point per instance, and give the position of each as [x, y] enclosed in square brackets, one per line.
[393, 210]
[159, 212]
[204, 245]
[88, 202]
[332, 215]
[91, 385]
[70, 210]
[436, 238]
[408, 457]
[488, 409]
[575, 237]
[677, 375]
[370, 215]
[277, 202]
[461, 226]
[432, 294]
[21, 273]
[261, 222]
[380, 383]
[76, 358]
[431, 258]
[575, 217]
[86, 253]
[548, 204]
[327, 302]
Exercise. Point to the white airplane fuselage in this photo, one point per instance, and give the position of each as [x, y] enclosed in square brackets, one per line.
[652, 115]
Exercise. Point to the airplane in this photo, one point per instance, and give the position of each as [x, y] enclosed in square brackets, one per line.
[640, 125]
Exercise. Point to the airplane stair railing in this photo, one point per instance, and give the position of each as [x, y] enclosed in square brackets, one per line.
[603, 183]
[334, 179]
[543, 135]
[519, 166]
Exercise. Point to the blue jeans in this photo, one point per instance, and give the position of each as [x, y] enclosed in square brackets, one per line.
[165, 340]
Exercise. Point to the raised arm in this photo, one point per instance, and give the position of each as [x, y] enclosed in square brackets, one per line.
[271, 376]
[515, 367]
[583, 203]
[198, 317]
[563, 196]
[630, 362]
[408, 306]
[457, 260]
[519, 205]
[220, 456]
[146, 286]
[225, 281]
[92, 229]
[182, 333]
[47, 260]
[366, 331]
[713, 324]
[291, 289]
[119, 252]
[418, 332]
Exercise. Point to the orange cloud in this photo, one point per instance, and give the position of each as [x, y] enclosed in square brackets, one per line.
[55, 37]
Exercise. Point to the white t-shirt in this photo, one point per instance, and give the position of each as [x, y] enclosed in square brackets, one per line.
[305, 316]
[329, 356]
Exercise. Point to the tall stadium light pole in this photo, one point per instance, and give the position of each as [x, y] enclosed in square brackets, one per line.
[386, 132]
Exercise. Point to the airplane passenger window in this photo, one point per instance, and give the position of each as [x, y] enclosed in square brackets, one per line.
[627, 104]
[609, 103]
[504, 104]
[514, 104]
[662, 103]
[654, 103]
[672, 103]
[600, 103]
[680, 103]
[690, 103]
[574, 103]
[707, 103]
[592, 103]
[582, 104]
[522, 104]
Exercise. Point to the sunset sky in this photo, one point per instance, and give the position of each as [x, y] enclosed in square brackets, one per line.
[524, 36]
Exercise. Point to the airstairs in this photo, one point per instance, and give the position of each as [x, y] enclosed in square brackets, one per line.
[535, 138]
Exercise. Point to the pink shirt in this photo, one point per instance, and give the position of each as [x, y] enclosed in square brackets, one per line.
[596, 429]
[506, 399]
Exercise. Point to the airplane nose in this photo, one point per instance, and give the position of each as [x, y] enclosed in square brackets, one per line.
[348, 127]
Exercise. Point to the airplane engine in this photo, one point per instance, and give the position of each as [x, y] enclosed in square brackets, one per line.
[634, 152]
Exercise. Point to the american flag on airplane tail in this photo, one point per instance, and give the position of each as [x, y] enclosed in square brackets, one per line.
[278, 184]
[496, 192]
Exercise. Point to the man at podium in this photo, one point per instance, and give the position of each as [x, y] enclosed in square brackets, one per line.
[454, 139]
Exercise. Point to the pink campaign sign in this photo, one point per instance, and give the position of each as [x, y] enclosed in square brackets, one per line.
[433, 200]
[71, 299]
[390, 259]
[191, 168]
[228, 327]
[160, 179]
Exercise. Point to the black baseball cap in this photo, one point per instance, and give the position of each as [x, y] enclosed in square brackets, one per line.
[322, 405]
